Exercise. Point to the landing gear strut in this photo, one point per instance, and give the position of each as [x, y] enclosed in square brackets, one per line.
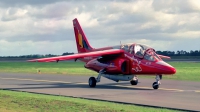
[156, 84]
[92, 81]
[134, 81]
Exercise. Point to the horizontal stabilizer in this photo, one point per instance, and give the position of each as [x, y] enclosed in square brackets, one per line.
[164, 57]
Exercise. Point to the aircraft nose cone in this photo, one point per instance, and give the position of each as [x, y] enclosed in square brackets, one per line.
[172, 70]
[167, 67]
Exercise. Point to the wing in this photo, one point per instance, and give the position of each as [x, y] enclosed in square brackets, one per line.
[79, 55]
[165, 57]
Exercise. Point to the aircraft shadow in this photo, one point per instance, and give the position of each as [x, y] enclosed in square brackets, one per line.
[74, 85]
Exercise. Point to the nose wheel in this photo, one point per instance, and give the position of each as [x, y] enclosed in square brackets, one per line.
[156, 84]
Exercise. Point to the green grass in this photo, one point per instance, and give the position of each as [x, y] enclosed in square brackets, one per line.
[185, 70]
[70, 68]
[11, 101]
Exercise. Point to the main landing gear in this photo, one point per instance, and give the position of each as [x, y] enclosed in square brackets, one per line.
[134, 81]
[93, 81]
[156, 84]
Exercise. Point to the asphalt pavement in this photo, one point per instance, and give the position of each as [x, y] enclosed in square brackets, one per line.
[171, 94]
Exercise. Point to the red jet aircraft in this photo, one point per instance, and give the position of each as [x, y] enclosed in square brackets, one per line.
[117, 63]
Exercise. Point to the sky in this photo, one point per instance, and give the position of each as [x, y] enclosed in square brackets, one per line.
[45, 26]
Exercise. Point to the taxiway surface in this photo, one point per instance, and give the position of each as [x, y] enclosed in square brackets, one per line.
[171, 94]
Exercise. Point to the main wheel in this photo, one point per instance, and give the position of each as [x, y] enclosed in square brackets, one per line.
[155, 85]
[134, 82]
[92, 82]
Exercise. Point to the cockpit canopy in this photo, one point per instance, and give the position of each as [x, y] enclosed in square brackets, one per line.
[141, 51]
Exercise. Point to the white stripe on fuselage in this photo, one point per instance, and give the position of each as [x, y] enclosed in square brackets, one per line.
[163, 63]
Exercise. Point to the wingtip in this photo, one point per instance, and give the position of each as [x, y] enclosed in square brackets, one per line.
[32, 61]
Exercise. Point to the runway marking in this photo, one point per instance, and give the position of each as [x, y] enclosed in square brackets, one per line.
[82, 83]
[35, 80]
[197, 91]
[43, 80]
[151, 88]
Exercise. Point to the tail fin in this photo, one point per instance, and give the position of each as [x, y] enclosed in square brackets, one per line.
[81, 40]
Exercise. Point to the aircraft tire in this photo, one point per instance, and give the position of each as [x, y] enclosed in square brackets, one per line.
[155, 85]
[134, 82]
[92, 82]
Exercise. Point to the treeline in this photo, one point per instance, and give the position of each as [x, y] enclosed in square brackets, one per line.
[179, 53]
[36, 55]
[166, 53]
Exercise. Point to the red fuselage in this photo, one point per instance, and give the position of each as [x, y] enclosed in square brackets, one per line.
[131, 62]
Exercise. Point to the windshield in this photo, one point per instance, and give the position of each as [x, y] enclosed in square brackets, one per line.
[141, 51]
[135, 49]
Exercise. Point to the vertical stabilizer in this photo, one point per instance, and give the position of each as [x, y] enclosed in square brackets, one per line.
[81, 40]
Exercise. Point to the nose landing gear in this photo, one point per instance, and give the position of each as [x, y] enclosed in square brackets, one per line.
[156, 84]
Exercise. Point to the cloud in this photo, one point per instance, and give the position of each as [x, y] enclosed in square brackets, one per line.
[162, 24]
[40, 47]
[18, 3]
[174, 7]
[12, 14]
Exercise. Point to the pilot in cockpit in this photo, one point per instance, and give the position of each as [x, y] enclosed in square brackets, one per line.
[139, 51]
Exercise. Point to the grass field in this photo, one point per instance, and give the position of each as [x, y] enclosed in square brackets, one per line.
[11, 101]
[70, 68]
[189, 71]
[185, 70]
